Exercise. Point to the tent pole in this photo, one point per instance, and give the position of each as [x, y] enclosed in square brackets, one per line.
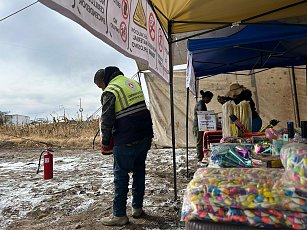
[187, 131]
[171, 85]
[139, 78]
[254, 85]
[296, 106]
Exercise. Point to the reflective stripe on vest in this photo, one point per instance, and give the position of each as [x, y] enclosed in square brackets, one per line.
[127, 92]
[131, 110]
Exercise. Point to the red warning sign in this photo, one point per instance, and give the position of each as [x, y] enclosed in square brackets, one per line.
[152, 25]
[125, 9]
[160, 39]
[123, 31]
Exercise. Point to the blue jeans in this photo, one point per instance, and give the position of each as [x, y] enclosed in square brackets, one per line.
[129, 158]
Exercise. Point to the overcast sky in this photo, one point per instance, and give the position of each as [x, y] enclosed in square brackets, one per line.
[47, 63]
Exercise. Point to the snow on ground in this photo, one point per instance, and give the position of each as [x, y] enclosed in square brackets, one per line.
[81, 192]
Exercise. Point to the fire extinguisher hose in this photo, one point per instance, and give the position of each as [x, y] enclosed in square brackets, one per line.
[93, 144]
[40, 157]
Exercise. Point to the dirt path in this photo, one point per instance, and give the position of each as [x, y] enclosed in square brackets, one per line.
[81, 192]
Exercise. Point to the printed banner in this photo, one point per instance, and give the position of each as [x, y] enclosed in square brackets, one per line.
[129, 26]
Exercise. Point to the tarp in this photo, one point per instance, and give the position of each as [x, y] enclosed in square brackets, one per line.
[159, 98]
[254, 47]
[192, 15]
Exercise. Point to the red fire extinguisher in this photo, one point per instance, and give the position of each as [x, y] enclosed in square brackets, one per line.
[48, 163]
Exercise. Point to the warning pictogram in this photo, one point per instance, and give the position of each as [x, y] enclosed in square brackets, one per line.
[160, 39]
[123, 31]
[152, 24]
[125, 9]
[139, 16]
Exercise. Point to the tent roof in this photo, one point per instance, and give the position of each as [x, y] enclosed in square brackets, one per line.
[254, 47]
[193, 15]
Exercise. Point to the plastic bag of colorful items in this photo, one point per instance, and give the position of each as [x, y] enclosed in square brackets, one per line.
[246, 196]
[294, 159]
[231, 155]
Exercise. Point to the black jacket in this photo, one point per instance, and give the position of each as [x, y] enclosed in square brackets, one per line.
[125, 130]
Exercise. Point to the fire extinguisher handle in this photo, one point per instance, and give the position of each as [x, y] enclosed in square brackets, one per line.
[49, 149]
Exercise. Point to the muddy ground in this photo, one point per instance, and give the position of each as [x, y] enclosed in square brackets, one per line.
[81, 192]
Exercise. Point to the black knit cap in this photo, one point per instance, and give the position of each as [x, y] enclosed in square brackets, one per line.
[99, 76]
[107, 74]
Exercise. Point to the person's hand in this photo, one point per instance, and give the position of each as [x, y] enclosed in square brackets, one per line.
[107, 149]
[223, 99]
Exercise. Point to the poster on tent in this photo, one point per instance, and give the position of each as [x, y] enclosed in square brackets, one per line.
[129, 26]
[158, 55]
[190, 77]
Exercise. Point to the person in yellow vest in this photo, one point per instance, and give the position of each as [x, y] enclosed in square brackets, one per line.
[127, 122]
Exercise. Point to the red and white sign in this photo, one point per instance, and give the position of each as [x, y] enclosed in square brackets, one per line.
[123, 31]
[152, 26]
[160, 39]
[125, 9]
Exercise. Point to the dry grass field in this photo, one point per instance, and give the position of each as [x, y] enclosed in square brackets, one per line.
[78, 135]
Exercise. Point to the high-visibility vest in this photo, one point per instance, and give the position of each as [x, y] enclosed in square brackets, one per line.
[128, 93]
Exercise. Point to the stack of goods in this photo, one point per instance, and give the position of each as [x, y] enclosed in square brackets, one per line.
[235, 140]
[254, 151]
[231, 155]
[243, 155]
[256, 197]
[236, 119]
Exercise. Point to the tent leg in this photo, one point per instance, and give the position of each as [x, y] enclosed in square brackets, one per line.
[295, 99]
[139, 78]
[187, 131]
[254, 85]
[171, 85]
